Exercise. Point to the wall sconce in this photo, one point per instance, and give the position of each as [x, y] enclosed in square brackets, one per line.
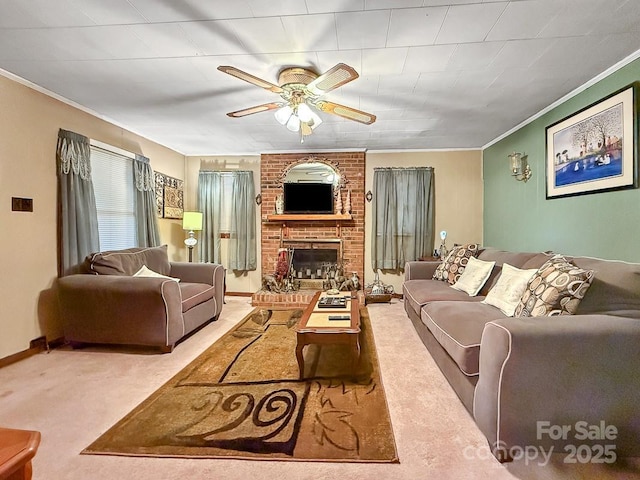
[520, 167]
[369, 196]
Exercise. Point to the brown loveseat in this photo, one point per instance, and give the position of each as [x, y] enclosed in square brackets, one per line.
[519, 376]
[109, 305]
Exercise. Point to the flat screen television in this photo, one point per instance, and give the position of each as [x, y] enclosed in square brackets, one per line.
[308, 198]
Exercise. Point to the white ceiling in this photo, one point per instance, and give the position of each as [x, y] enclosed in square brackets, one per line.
[437, 73]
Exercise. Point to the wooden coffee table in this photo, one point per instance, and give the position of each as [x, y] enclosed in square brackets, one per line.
[315, 327]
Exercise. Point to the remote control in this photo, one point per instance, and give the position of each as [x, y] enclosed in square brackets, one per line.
[339, 317]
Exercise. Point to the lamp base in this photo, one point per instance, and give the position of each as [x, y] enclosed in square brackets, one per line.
[191, 242]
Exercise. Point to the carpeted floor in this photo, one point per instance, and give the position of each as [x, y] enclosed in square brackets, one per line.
[72, 397]
[242, 398]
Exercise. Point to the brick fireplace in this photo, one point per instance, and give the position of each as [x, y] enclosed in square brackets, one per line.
[346, 235]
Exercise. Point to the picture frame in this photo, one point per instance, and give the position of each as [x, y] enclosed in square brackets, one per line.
[169, 196]
[595, 149]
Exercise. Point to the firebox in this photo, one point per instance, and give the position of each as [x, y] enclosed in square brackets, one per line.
[313, 263]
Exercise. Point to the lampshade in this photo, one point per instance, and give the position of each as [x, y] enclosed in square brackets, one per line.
[283, 114]
[293, 125]
[315, 120]
[304, 113]
[192, 221]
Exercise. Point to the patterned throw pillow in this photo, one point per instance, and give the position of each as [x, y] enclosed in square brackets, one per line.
[452, 267]
[555, 289]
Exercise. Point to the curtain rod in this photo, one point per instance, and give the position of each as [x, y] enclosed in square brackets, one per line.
[402, 168]
[226, 172]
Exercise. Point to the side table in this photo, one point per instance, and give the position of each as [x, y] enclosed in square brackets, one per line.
[17, 448]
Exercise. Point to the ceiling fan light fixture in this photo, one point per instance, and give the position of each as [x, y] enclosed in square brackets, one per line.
[304, 113]
[283, 114]
[293, 125]
[315, 120]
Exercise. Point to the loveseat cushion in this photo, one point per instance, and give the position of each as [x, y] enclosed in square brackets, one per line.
[129, 261]
[458, 327]
[419, 292]
[194, 294]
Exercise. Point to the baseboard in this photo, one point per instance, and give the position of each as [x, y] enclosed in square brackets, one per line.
[37, 345]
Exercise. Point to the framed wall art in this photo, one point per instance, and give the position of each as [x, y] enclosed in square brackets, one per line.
[594, 150]
[169, 196]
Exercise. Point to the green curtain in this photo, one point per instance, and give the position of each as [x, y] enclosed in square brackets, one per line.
[77, 215]
[242, 245]
[403, 216]
[210, 204]
[146, 217]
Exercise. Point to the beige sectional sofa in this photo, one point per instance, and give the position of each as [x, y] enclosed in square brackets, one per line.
[518, 377]
[109, 304]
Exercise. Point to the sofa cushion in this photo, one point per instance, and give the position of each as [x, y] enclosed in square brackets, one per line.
[508, 290]
[474, 276]
[458, 327]
[194, 294]
[516, 259]
[420, 292]
[555, 289]
[129, 261]
[454, 264]
[615, 288]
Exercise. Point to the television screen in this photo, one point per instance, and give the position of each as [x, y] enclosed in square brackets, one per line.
[308, 198]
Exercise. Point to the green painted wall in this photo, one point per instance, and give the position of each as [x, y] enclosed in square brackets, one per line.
[517, 216]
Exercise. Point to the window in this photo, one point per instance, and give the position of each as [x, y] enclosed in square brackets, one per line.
[227, 199]
[112, 176]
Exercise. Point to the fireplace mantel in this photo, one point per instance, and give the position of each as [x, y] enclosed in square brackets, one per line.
[306, 217]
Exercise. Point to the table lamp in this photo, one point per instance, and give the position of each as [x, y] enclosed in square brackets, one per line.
[191, 221]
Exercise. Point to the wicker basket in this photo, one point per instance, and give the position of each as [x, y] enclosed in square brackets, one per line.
[376, 297]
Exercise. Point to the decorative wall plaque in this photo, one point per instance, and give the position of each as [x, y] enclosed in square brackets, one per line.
[169, 196]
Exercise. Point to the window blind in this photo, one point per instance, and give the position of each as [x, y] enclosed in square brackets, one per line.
[112, 176]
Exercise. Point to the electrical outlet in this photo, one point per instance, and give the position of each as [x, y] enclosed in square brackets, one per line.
[21, 204]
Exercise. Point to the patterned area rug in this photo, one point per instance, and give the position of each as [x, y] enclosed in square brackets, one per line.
[242, 398]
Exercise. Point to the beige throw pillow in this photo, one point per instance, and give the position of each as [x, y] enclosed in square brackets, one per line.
[474, 276]
[147, 272]
[508, 290]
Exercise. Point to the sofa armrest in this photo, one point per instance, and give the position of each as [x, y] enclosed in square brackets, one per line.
[209, 273]
[120, 309]
[541, 372]
[420, 270]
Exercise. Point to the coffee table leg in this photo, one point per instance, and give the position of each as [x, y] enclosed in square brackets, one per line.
[300, 358]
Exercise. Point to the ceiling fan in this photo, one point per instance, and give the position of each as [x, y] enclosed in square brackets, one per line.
[300, 88]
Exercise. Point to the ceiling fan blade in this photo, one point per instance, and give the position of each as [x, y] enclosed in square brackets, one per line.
[256, 109]
[333, 78]
[247, 77]
[346, 112]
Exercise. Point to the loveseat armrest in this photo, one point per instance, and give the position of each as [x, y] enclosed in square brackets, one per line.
[209, 273]
[422, 270]
[540, 374]
[120, 309]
